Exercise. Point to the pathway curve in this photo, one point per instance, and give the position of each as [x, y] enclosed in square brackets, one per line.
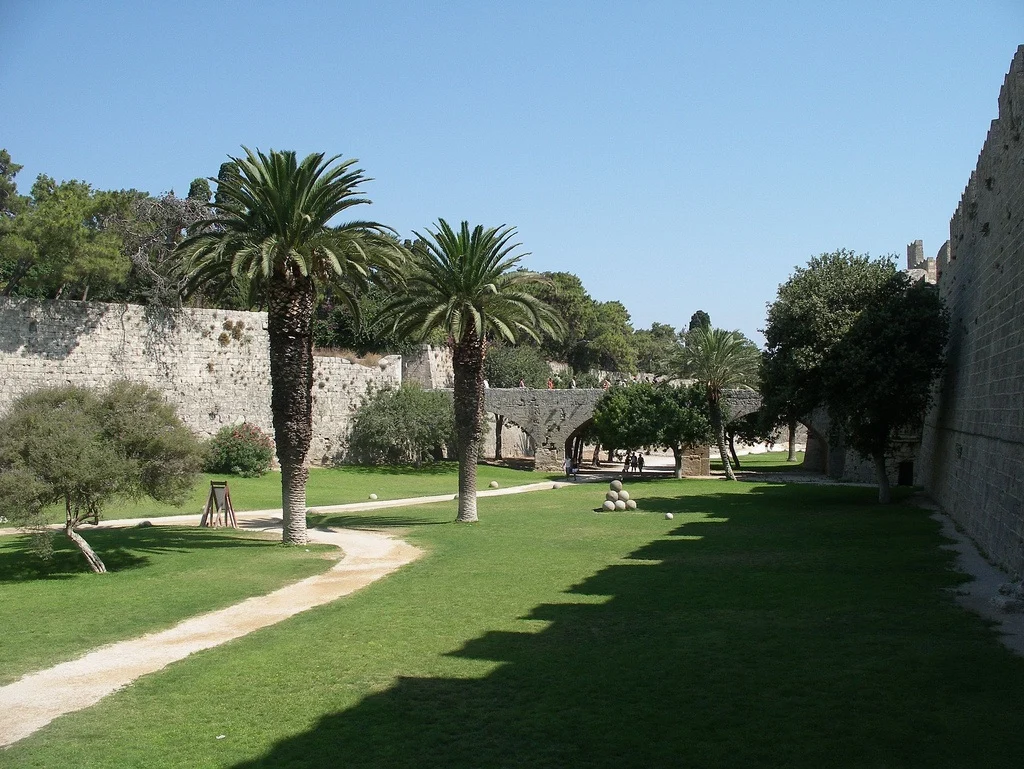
[33, 701]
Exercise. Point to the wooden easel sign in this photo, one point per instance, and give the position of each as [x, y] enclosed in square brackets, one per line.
[218, 511]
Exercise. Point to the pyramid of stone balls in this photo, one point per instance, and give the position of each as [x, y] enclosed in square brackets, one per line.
[617, 498]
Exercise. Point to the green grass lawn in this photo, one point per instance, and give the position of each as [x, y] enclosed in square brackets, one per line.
[327, 486]
[770, 461]
[765, 626]
[55, 611]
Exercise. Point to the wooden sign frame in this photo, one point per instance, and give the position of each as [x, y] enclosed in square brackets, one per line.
[219, 511]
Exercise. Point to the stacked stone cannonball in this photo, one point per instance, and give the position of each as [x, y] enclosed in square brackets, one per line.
[617, 498]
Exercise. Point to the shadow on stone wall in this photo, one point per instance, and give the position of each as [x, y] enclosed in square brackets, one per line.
[47, 329]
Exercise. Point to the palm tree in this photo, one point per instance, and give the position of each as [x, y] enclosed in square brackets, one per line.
[271, 228]
[467, 284]
[719, 360]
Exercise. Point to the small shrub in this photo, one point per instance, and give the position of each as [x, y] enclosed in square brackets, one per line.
[243, 450]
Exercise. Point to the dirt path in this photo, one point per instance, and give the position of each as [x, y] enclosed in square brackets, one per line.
[33, 701]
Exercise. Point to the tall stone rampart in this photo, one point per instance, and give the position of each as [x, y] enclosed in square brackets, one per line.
[972, 454]
[213, 365]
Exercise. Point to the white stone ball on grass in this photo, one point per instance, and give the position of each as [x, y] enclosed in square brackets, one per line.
[620, 505]
[624, 495]
[668, 516]
[631, 504]
[616, 486]
[373, 496]
[493, 484]
[611, 496]
[608, 506]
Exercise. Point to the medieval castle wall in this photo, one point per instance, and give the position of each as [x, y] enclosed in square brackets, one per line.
[972, 454]
[213, 365]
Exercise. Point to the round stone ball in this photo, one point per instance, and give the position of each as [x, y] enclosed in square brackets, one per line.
[616, 486]
[373, 496]
[608, 505]
[493, 484]
[620, 505]
[624, 495]
[668, 516]
[611, 496]
[631, 504]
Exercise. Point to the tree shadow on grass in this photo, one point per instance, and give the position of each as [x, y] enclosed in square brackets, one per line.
[779, 629]
[120, 549]
[429, 468]
[358, 521]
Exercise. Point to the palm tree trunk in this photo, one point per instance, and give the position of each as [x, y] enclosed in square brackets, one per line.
[718, 424]
[791, 457]
[289, 320]
[468, 397]
[884, 492]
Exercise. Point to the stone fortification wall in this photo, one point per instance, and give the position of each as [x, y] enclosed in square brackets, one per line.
[213, 365]
[973, 444]
[430, 367]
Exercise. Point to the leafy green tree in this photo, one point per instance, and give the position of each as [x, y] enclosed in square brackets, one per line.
[565, 294]
[699, 319]
[507, 365]
[750, 428]
[644, 415]
[81, 447]
[814, 309]
[719, 360]
[467, 283]
[272, 225]
[367, 330]
[409, 424]
[609, 343]
[8, 187]
[597, 335]
[655, 348]
[58, 244]
[200, 190]
[878, 377]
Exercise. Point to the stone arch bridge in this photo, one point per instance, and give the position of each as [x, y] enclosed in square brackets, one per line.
[552, 417]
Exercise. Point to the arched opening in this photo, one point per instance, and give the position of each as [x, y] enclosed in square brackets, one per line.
[507, 439]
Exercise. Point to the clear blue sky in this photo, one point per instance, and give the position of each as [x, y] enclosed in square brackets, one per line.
[674, 155]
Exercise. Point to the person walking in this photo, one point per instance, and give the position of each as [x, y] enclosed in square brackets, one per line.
[640, 464]
[551, 384]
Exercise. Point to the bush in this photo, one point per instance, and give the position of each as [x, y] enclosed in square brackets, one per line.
[405, 425]
[243, 450]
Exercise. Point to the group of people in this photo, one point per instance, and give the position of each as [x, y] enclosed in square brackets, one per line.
[633, 462]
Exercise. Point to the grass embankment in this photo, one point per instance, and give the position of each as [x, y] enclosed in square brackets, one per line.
[766, 625]
[52, 612]
[327, 486]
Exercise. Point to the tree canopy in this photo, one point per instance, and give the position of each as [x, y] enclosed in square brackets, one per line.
[877, 378]
[82, 447]
[857, 337]
[645, 415]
